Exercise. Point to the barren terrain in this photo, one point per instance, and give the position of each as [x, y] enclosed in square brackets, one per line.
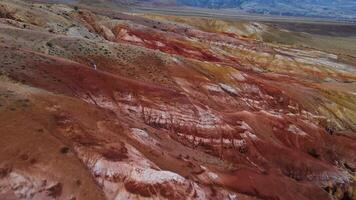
[99, 104]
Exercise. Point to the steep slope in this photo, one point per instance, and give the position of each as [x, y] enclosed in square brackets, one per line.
[96, 104]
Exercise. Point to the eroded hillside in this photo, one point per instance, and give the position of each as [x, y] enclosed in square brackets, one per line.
[96, 104]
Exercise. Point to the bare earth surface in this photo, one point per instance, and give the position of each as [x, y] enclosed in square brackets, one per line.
[97, 104]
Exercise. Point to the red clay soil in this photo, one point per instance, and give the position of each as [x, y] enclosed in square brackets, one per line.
[168, 43]
[212, 128]
[305, 161]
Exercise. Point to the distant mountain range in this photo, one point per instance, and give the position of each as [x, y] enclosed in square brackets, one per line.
[335, 9]
[345, 9]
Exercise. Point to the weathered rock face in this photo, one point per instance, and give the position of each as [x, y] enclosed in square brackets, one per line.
[127, 107]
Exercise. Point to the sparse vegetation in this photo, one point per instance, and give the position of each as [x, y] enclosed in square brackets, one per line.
[64, 150]
[49, 44]
[203, 108]
[313, 152]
